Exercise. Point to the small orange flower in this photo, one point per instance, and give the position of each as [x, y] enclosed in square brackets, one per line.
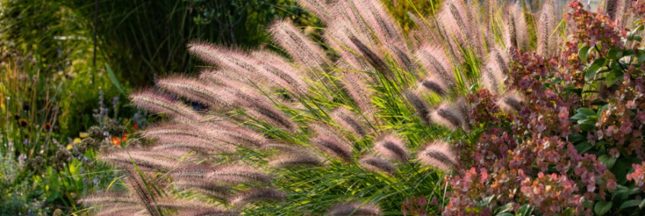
[117, 141]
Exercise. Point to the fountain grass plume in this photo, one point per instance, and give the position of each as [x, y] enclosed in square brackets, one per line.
[206, 211]
[292, 158]
[617, 10]
[141, 158]
[195, 90]
[438, 154]
[494, 72]
[372, 57]
[511, 101]
[349, 121]
[331, 142]
[320, 8]
[257, 195]
[354, 208]
[392, 148]
[419, 105]
[436, 62]
[457, 20]
[377, 164]
[299, 47]
[122, 211]
[109, 198]
[546, 26]
[295, 79]
[210, 188]
[237, 173]
[338, 37]
[163, 104]
[517, 33]
[143, 191]
[451, 115]
[382, 24]
[434, 84]
[232, 174]
[358, 90]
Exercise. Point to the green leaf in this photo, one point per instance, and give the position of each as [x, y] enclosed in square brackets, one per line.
[591, 71]
[487, 200]
[615, 53]
[505, 209]
[607, 160]
[629, 204]
[583, 53]
[613, 76]
[583, 147]
[623, 192]
[585, 117]
[642, 204]
[525, 210]
[113, 79]
[602, 207]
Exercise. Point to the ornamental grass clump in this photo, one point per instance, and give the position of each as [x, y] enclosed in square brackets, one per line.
[471, 117]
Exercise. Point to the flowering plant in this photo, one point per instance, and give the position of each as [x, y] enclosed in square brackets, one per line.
[568, 148]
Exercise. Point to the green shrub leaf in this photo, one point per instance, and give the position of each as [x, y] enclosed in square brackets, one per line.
[629, 204]
[602, 207]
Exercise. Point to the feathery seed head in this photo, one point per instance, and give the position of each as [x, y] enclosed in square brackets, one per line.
[546, 44]
[289, 159]
[225, 130]
[371, 55]
[450, 115]
[103, 199]
[285, 147]
[434, 84]
[125, 210]
[435, 61]
[280, 67]
[494, 73]
[206, 187]
[354, 208]
[319, 8]
[457, 21]
[381, 23]
[355, 86]
[516, 28]
[194, 90]
[257, 195]
[299, 47]
[236, 62]
[420, 106]
[392, 147]
[511, 102]
[206, 212]
[159, 103]
[376, 164]
[238, 174]
[349, 121]
[332, 143]
[141, 158]
[438, 154]
[192, 172]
